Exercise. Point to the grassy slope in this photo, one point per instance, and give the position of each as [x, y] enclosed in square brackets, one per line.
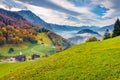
[90, 61]
[6, 68]
[45, 38]
[26, 48]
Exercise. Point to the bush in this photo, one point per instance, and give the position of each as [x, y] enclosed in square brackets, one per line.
[92, 39]
[33, 41]
[11, 50]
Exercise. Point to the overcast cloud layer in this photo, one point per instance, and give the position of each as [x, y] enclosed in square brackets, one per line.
[70, 12]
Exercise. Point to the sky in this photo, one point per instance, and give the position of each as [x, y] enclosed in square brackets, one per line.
[69, 12]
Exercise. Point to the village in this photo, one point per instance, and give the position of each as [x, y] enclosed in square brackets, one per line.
[21, 58]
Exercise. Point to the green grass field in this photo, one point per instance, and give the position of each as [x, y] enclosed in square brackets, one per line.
[90, 61]
[26, 48]
[6, 68]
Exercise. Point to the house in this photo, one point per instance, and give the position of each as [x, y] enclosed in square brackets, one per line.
[13, 59]
[20, 57]
[35, 57]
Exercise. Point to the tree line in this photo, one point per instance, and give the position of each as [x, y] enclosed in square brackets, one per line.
[14, 35]
[116, 31]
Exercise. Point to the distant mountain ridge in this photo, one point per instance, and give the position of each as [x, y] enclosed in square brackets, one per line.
[34, 19]
[110, 27]
[57, 27]
[83, 35]
[88, 31]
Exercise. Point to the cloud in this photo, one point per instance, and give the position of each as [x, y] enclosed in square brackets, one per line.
[11, 5]
[73, 12]
[113, 6]
[86, 15]
[50, 5]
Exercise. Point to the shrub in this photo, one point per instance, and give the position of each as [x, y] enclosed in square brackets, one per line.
[33, 41]
[92, 39]
[11, 50]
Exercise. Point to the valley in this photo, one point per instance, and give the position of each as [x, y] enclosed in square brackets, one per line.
[18, 34]
[59, 40]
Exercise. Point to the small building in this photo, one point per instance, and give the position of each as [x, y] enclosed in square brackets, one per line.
[13, 59]
[35, 57]
[20, 57]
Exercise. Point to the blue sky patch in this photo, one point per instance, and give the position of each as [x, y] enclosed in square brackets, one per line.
[78, 3]
[99, 10]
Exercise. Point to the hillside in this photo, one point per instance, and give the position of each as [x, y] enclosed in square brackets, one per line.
[15, 32]
[89, 61]
[26, 48]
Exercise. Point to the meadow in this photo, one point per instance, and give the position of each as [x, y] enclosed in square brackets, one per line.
[26, 48]
[89, 61]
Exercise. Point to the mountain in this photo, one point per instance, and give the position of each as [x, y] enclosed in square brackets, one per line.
[34, 19]
[90, 61]
[83, 35]
[84, 31]
[88, 31]
[15, 31]
[110, 27]
[57, 27]
[11, 18]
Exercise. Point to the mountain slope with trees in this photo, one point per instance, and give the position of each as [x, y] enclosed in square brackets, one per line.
[14, 29]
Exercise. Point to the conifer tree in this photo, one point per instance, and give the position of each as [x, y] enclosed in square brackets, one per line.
[116, 31]
[107, 34]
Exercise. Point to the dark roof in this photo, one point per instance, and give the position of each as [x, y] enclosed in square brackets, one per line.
[20, 57]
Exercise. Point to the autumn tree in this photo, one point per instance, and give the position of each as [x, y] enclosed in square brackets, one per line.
[15, 35]
[2, 40]
[58, 48]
